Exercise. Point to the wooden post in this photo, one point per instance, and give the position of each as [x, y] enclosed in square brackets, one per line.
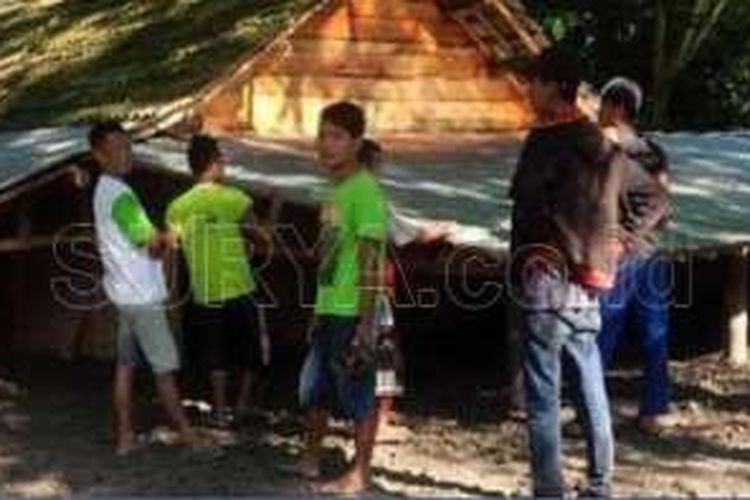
[247, 118]
[736, 302]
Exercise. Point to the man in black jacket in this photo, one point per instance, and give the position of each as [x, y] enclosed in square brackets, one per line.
[565, 193]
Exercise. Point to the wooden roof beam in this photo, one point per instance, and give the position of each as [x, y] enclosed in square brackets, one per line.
[510, 18]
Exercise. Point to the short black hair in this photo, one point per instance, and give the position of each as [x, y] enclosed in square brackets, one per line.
[369, 152]
[101, 130]
[202, 152]
[562, 66]
[346, 115]
[621, 96]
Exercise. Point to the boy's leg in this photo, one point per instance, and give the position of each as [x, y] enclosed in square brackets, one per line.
[316, 428]
[587, 382]
[244, 393]
[219, 380]
[158, 346]
[315, 389]
[211, 344]
[123, 406]
[169, 397]
[385, 408]
[357, 478]
[245, 349]
[128, 358]
[355, 398]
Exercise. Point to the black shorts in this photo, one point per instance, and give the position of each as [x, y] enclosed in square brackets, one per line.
[226, 335]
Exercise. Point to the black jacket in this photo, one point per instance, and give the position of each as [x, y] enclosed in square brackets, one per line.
[566, 200]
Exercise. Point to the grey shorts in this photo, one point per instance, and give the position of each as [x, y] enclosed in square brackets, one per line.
[144, 332]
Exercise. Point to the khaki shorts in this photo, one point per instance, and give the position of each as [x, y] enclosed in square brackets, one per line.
[144, 332]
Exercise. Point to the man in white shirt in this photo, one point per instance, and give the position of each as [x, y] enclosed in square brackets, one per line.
[134, 282]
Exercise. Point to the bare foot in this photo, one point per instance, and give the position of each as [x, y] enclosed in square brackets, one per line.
[351, 483]
[657, 424]
[127, 444]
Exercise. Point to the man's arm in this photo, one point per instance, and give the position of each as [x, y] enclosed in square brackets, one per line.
[372, 283]
[132, 220]
[258, 237]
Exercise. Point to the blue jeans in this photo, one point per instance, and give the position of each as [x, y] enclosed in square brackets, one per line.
[565, 327]
[323, 386]
[641, 291]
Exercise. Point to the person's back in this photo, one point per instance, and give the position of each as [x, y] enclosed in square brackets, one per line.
[645, 206]
[565, 198]
[131, 275]
[209, 220]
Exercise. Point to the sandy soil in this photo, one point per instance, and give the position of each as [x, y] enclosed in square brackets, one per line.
[54, 439]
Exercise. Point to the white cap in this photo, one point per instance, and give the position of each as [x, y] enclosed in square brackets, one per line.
[627, 84]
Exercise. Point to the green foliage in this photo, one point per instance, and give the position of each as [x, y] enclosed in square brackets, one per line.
[617, 37]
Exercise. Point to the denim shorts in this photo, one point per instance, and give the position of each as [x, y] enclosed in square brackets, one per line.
[323, 385]
[144, 332]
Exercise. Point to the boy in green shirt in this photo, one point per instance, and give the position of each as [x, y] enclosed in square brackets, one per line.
[208, 223]
[339, 373]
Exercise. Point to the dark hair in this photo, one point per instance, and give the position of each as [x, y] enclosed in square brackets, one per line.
[621, 96]
[347, 116]
[562, 66]
[202, 152]
[101, 130]
[368, 153]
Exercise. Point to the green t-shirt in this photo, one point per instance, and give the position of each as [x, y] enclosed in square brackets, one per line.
[356, 210]
[208, 220]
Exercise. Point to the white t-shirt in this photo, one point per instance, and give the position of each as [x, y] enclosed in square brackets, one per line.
[131, 275]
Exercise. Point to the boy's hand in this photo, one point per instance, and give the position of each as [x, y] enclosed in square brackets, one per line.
[311, 329]
[359, 356]
[365, 336]
[160, 245]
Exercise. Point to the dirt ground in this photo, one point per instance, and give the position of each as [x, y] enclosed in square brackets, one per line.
[54, 439]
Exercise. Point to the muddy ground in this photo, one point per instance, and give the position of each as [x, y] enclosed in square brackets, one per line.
[54, 439]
